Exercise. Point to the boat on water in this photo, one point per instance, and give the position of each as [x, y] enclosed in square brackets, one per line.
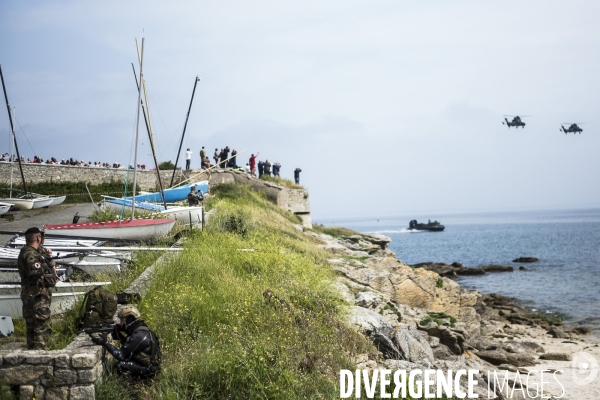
[172, 195]
[434, 226]
[133, 229]
[4, 207]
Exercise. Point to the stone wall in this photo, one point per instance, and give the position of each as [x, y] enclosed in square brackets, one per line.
[37, 173]
[293, 200]
[67, 374]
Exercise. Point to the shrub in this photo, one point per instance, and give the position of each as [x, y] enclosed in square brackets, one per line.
[166, 165]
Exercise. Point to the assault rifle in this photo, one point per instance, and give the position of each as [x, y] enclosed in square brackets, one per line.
[101, 327]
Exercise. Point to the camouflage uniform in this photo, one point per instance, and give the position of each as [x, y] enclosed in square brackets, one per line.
[193, 199]
[37, 277]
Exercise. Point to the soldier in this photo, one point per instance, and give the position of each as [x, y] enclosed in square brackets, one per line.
[193, 199]
[38, 275]
[139, 355]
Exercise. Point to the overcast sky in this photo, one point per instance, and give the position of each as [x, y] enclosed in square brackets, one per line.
[388, 107]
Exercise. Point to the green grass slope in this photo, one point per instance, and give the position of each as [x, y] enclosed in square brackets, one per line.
[221, 338]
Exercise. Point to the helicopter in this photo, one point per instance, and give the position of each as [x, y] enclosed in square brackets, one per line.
[516, 122]
[571, 129]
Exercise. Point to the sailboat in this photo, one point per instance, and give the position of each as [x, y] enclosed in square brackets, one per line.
[137, 229]
[149, 200]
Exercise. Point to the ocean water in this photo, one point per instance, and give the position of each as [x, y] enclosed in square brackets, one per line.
[565, 281]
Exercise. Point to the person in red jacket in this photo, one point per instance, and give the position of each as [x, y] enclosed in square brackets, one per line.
[253, 164]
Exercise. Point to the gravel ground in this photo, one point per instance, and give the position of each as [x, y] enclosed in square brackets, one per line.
[20, 221]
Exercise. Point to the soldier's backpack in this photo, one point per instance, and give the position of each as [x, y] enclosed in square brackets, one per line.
[99, 304]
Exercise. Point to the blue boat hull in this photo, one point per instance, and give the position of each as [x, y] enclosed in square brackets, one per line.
[171, 195]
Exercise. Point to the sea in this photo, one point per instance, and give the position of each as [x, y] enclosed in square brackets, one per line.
[564, 282]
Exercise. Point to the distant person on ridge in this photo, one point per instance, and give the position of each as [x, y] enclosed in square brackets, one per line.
[253, 164]
[247, 168]
[232, 162]
[276, 168]
[202, 154]
[188, 159]
[216, 156]
[267, 168]
[261, 168]
[297, 175]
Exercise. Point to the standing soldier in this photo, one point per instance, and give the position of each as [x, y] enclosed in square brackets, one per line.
[38, 275]
[202, 154]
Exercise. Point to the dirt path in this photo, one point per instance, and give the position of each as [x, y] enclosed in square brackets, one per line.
[20, 221]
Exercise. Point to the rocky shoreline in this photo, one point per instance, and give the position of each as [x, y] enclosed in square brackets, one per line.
[419, 318]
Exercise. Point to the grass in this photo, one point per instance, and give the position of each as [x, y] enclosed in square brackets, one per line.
[288, 183]
[336, 232]
[437, 317]
[221, 338]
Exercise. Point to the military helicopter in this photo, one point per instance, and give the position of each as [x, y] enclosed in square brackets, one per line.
[571, 129]
[516, 121]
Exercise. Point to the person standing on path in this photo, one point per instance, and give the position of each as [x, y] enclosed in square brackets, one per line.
[253, 164]
[232, 162]
[261, 168]
[188, 159]
[297, 175]
[202, 154]
[38, 275]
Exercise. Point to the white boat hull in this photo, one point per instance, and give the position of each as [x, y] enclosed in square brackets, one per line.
[21, 204]
[12, 305]
[114, 231]
[4, 207]
[57, 200]
[42, 202]
[181, 214]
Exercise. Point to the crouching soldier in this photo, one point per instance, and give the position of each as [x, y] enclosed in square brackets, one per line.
[139, 354]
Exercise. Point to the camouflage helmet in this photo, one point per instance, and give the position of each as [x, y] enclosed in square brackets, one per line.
[129, 311]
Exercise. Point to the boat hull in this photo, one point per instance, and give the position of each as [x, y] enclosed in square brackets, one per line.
[4, 207]
[12, 305]
[42, 202]
[137, 229]
[171, 195]
[21, 204]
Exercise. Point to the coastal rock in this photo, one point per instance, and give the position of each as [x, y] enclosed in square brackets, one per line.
[368, 321]
[413, 345]
[558, 332]
[557, 357]
[525, 260]
[379, 240]
[367, 299]
[497, 268]
[453, 339]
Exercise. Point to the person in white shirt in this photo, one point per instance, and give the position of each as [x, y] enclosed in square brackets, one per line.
[247, 168]
[188, 158]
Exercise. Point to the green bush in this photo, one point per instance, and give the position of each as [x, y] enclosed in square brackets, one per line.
[166, 165]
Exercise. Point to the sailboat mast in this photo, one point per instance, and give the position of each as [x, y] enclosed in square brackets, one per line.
[12, 128]
[151, 137]
[184, 126]
[137, 131]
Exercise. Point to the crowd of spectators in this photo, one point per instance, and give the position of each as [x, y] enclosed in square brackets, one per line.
[71, 162]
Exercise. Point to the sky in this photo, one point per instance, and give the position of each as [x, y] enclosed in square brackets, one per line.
[388, 107]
